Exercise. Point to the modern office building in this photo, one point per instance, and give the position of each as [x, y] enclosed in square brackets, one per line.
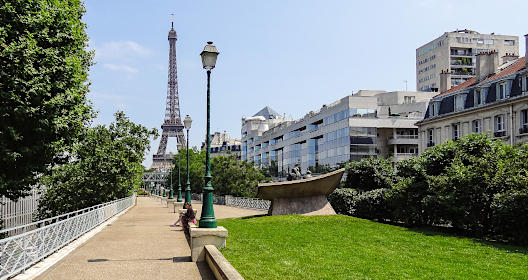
[364, 124]
[455, 52]
[494, 102]
[222, 145]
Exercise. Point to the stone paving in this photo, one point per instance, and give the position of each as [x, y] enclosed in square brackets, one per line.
[139, 245]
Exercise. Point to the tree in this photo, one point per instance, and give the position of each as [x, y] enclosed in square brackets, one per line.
[43, 85]
[230, 176]
[106, 166]
[235, 177]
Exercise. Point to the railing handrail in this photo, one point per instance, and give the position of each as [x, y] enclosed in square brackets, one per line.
[19, 252]
[74, 213]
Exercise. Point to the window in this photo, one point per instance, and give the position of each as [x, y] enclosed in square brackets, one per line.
[499, 123]
[409, 99]
[456, 131]
[523, 128]
[524, 81]
[480, 41]
[477, 100]
[476, 126]
[509, 42]
[430, 137]
[460, 100]
[488, 41]
[501, 91]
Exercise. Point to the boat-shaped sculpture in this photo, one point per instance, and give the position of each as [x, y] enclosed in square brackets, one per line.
[304, 196]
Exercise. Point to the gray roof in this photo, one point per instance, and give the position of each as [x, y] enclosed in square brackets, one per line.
[267, 113]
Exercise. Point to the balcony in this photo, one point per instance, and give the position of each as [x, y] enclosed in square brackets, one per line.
[403, 139]
[402, 156]
[499, 134]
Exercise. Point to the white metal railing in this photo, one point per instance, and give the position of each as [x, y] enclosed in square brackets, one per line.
[247, 202]
[243, 202]
[40, 239]
[20, 212]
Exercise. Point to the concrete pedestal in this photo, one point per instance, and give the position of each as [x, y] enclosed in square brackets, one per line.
[205, 236]
[177, 205]
[170, 201]
[309, 205]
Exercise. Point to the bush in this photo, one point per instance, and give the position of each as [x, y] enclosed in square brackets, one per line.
[370, 174]
[369, 204]
[510, 215]
[476, 185]
[372, 205]
[342, 200]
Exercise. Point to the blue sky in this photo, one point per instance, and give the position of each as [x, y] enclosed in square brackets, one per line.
[293, 56]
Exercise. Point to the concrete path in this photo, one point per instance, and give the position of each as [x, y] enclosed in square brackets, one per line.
[139, 245]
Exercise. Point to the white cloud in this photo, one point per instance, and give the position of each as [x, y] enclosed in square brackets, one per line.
[121, 50]
[120, 67]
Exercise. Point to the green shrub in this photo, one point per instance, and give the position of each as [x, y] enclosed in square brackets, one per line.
[372, 205]
[342, 200]
[510, 215]
[370, 174]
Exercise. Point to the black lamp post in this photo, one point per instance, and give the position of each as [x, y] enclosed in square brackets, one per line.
[207, 220]
[187, 123]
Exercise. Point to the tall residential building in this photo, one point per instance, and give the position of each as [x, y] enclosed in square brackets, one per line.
[367, 123]
[455, 52]
[493, 102]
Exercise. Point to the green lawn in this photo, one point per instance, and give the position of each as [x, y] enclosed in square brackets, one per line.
[341, 247]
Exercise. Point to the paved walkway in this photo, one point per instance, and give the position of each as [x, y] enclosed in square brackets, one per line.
[139, 245]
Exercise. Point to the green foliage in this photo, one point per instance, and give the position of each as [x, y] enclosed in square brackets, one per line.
[367, 204]
[230, 176]
[369, 174]
[44, 81]
[342, 200]
[341, 247]
[106, 166]
[477, 185]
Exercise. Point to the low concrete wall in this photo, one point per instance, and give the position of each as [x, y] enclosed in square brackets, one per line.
[219, 265]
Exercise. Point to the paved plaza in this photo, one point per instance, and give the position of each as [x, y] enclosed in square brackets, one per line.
[139, 245]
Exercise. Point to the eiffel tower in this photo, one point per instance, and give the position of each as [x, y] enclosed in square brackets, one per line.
[172, 124]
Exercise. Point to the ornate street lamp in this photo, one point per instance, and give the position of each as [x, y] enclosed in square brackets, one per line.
[207, 220]
[187, 123]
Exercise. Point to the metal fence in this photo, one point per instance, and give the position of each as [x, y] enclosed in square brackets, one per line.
[21, 211]
[42, 238]
[247, 202]
[244, 202]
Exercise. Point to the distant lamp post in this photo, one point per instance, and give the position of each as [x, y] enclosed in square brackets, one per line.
[207, 220]
[179, 199]
[171, 192]
[187, 123]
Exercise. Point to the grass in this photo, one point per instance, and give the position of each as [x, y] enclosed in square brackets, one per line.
[342, 247]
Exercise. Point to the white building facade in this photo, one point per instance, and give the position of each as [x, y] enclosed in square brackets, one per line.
[365, 124]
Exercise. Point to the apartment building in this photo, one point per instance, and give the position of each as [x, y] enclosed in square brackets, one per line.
[495, 101]
[367, 123]
[222, 145]
[456, 52]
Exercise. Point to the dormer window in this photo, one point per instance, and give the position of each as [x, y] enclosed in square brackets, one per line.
[502, 91]
[460, 100]
[477, 100]
[524, 86]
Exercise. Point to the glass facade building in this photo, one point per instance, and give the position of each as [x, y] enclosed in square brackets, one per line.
[354, 127]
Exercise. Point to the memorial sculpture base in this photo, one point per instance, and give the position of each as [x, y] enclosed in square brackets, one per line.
[304, 196]
[308, 205]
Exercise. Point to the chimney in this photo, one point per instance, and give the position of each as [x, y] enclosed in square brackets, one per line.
[487, 64]
[526, 47]
[509, 57]
[445, 80]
